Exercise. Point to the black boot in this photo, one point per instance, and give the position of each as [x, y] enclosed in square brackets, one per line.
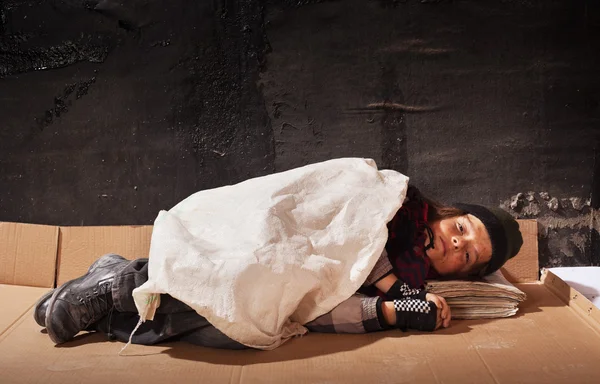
[79, 303]
[415, 314]
[39, 314]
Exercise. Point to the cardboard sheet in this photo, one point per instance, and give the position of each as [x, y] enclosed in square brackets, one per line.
[545, 343]
[15, 301]
[524, 267]
[555, 338]
[28, 254]
[79, 247]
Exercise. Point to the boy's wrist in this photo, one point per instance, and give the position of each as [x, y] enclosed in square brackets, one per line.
[385, 284]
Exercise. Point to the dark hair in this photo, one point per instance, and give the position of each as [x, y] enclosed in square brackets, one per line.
[438, 211]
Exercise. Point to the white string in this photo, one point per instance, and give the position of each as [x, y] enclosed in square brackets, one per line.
[131, 336]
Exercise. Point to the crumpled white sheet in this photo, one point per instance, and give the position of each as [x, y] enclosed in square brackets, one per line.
[263, 257]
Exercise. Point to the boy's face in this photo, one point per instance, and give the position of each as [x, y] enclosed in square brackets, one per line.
[462, 246]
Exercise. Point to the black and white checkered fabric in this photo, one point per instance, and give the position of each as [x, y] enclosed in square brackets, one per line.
[411, 305]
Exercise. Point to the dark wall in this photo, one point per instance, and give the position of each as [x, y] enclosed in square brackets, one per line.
[114, 110]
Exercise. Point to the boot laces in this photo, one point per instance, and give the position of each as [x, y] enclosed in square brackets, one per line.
[97, 302]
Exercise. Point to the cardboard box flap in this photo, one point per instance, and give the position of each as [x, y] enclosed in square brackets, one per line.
[28, 254]
[574, 299]
[79, 247]
[524, 267]
[586, 280]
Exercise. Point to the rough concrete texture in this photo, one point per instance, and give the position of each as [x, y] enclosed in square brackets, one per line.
[114, 110]
[566, 231]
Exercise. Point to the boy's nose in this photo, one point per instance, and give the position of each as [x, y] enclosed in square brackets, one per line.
[457, 242]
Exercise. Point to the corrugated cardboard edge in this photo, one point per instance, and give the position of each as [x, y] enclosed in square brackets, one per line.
[573, 298]
[525, 267]
[79, 247]
[28, 254]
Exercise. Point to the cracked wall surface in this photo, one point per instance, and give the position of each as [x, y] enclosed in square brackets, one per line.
[114, 110]
[568, 226]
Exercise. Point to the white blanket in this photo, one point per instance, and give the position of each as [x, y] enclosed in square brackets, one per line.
[263, 257]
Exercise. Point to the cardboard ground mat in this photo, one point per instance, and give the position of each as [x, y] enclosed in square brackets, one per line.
[554, 338]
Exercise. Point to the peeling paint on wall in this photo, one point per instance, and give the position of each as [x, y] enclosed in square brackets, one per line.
[64, 101]
[14, 60]
[565, 224]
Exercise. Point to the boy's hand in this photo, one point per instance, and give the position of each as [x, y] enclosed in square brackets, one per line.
[443, 313]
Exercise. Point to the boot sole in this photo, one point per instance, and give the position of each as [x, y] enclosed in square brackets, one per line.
[41, 321]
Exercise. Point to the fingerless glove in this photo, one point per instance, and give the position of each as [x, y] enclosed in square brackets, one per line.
[415, 314]
[401, 290]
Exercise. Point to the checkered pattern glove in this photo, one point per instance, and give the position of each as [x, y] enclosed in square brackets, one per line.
[401, 290]
[415, 314]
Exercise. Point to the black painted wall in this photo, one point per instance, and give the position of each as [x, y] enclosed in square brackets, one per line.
[112, 110]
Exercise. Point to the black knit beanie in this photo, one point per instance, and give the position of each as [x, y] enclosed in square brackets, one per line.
[504, 234]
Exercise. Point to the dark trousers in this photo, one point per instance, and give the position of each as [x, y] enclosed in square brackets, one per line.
[173, 320]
